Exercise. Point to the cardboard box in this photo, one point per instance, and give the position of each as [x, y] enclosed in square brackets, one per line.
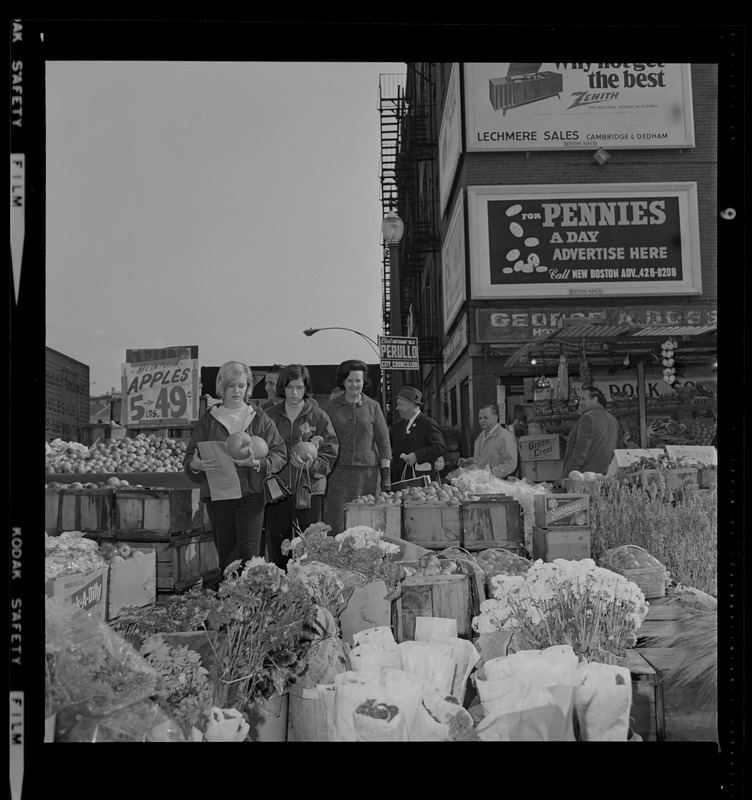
[86, 591]
[538, 471]
[572, 544]
[542, 448]
[366, 608]
[625, 458]
[132, 582]
[692, 454]
[562, 510]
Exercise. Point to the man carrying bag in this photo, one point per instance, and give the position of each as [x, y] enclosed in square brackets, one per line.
[416, 442]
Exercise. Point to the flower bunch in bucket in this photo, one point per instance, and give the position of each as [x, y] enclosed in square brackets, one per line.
[360, 550]
[262, 616]
[594, 610]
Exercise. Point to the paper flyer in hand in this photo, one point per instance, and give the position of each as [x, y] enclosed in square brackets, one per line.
[224, 484]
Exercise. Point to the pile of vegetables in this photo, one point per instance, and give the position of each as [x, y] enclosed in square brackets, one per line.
[430, 564]
[497, 561]
[112, 552]
[627, 557]
[661, 433]
[142, 453]
[433, 494]
[70, 553]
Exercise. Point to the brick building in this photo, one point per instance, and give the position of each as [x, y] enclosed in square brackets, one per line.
[537, 195]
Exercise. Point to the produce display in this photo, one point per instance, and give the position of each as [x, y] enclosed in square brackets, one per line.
[497, 561]
[702, 430]
[112, 552]
[143, 453]
[431, 564]
[433, 494]
[626, 557]
[71, 553]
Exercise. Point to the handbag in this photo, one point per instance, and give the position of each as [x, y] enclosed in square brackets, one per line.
[406, 483]
[275, 489]
[303, 491]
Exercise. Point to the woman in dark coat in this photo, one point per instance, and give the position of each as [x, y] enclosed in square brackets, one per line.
[364, 450]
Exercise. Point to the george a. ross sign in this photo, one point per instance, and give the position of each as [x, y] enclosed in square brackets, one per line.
[399, 352]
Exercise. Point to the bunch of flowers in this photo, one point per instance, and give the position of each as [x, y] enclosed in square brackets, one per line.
[262, 615]
[186, 688]
[594, 610]
[359, 549]
[193, 610]
[327, 585]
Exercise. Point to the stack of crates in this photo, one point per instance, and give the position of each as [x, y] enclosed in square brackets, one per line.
[561, 527]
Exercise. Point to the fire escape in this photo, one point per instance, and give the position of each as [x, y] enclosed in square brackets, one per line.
[417, 180]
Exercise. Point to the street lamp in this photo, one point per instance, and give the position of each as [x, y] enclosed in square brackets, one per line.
[392, 229]
[371, 342]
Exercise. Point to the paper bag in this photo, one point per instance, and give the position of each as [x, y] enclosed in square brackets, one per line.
[545, 723]
[435, 629]
[224, 484]
[433, 716]
[381, 635]
[372, 659]
[431, 661]
[379, 719]
[603, 702]
[351, 689]
[408, 690]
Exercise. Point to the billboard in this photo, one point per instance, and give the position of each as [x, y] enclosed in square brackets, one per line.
[584, 240]
[453, 264]
[450, 138]
[559, 105]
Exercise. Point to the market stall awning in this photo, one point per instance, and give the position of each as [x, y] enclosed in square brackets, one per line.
[599, 333]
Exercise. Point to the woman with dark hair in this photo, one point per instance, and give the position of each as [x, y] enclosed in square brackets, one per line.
[236, 522]
[299, 419]
[365, 453]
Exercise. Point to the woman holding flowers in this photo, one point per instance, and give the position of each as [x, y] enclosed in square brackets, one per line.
[236, 522]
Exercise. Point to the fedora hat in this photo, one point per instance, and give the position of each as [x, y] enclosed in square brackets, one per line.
[412, 394]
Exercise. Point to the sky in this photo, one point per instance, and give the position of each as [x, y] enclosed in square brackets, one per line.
[225, 205]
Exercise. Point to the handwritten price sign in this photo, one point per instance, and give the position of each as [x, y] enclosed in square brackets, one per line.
[160, 392]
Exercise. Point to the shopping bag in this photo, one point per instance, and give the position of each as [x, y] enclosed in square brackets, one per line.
[406, 481]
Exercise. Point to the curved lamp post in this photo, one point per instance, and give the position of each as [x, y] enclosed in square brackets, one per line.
[371, 342]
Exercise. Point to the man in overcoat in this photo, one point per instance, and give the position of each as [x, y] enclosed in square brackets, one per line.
[416, 438]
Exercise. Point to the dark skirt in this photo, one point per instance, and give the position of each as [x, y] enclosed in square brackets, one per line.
[344, 484]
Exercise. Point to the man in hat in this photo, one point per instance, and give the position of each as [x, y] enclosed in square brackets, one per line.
[416, 438]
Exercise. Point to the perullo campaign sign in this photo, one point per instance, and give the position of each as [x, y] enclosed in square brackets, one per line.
[399, 352]
[584, 240]
[558, 105]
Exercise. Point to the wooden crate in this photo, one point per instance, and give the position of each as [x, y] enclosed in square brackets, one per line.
[87, 510]
[493, 521]
[446, 596]
[156, 514]
[432, 525]
[572, 544]
[132, 582]
[183, 561]
[385, 517]
[647, 715]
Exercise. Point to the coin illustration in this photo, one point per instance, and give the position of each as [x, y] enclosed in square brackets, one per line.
[516, 229]
[513, 210]
[513, 255]
[531, 242]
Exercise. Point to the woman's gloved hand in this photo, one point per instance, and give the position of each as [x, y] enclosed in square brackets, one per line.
[386, 479]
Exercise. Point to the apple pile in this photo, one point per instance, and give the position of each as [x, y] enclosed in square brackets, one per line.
[434, 494]
[114, 552]
[143, 453]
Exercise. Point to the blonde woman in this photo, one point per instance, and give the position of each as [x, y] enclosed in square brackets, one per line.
[236, 523]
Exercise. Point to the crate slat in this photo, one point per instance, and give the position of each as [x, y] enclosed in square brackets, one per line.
[157, 513]
[384, 517]
[434, 526]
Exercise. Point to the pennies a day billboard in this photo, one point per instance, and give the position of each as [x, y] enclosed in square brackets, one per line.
[583, 239]
[558, 105]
